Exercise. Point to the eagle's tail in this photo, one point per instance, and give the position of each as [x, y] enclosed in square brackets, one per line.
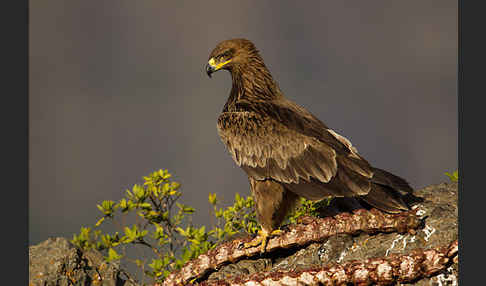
[387, 191]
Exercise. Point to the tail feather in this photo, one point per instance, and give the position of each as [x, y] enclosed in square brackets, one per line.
[385, 178]
[387, 191]
[385, 198]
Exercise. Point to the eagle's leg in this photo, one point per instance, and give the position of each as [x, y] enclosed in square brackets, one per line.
[272, 203]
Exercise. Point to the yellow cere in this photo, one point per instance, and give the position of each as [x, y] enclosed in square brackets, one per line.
[215, 65]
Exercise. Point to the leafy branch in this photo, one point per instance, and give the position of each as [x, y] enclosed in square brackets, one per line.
[167, 229]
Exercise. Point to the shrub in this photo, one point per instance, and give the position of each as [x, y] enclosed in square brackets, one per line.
[166, 225]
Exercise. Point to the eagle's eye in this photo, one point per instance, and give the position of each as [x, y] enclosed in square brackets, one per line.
[225, 55]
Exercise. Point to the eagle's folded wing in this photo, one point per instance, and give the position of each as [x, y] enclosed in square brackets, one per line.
[286, 143]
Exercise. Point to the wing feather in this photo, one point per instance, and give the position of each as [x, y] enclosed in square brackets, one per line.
[265, 148]
[284, 142]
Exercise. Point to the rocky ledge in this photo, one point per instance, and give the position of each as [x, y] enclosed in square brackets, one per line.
[57, 262]
[352, 245]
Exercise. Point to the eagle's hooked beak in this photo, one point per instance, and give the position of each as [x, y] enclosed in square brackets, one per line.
[209, 70]
[213, 66]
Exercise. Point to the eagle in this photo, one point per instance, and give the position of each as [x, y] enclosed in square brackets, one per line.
[285, 150]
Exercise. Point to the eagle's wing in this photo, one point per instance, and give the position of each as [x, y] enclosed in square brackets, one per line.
[282, 141]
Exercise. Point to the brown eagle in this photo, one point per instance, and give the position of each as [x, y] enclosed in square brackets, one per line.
[285, 150]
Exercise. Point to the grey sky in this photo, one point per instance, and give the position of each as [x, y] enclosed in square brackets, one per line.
[118, 90]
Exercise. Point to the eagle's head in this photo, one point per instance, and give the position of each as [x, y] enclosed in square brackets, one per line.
[231, 54]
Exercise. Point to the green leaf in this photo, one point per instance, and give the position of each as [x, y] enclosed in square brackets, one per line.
[145, 206]
[129, 194]
[98, 223]
[156, 264]
[125, 205]
[165, 189]
[454, 177]
[212, 199]
[130, 234]
[107, 207]
[186, 232]
[139, 193]
[113, 255]
[175, 185]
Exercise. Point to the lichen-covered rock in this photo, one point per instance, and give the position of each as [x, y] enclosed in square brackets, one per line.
[56, 262]
[438, 210]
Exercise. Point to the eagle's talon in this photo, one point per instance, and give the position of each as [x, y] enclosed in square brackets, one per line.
[256, 241]
[262, 239]
[276, 232]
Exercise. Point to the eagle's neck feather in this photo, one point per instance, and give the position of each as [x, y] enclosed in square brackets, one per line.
[252, 82]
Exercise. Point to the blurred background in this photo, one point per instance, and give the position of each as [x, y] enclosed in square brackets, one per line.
[118, 90]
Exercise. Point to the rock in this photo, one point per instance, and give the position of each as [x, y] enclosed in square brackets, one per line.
[438, 208]
[57, 262]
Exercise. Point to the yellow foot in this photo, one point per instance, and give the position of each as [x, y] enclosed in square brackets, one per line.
[262, 239]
